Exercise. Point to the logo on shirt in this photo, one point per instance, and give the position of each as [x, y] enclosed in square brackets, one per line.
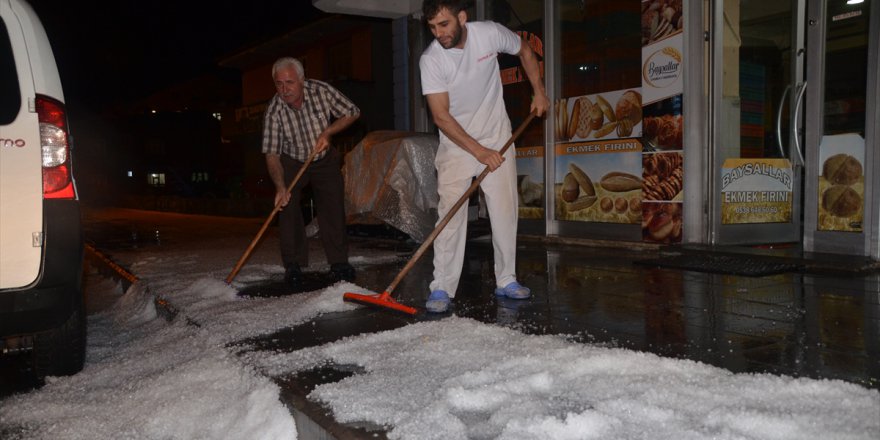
[486, 57]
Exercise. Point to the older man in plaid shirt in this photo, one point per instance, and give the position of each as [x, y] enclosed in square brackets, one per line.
[301, 118]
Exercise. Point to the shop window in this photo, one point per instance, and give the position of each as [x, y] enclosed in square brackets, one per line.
[526, 18]
[599, 152]
[600, 45]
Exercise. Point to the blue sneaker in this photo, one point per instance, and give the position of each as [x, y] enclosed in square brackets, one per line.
[514, 290]
[438, 302]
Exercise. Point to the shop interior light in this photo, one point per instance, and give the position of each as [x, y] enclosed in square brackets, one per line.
[854, 2]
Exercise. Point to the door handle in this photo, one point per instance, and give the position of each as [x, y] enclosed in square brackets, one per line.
[779, 121]
[796, 121]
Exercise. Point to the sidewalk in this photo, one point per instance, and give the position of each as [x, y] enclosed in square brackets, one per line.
[822, 323]
[817, 317]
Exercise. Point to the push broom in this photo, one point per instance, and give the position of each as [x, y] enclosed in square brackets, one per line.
[250, 249]
[384, 299]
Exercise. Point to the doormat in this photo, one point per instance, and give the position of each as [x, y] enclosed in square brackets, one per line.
[726, 264]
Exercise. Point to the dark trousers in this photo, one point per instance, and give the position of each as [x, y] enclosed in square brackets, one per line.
[328, 190]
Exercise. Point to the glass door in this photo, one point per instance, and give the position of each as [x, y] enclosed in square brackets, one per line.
[757, 90]
[840, 142]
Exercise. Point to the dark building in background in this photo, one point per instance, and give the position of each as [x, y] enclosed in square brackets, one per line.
[351, 53]
[196, 146]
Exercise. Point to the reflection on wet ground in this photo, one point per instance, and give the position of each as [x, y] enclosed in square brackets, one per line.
[818, 326]
[277, 287]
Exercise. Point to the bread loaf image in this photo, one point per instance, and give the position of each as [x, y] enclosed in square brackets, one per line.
[841, 201]
[574, 121]
[606, 108]
[570, 188]
[842, 169]
[583, 121]
[629, 106]
[597, 118]
[616, 181]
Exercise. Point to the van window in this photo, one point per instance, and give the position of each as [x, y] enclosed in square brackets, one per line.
[10, 97]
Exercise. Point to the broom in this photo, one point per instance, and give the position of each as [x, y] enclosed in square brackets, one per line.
[250, 249]
[384, 299]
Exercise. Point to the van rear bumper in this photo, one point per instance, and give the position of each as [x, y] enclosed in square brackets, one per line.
[48, 302]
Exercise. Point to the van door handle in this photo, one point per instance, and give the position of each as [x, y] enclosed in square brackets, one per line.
[796, 121]
[779, 121]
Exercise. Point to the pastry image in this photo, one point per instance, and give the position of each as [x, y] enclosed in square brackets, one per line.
[531, 193]
[583, 180]
[570, 188]
[663, 176]
[606, 108]
[841, 201]
[624, 128]
[573, 122]
[629, 107]
[660, 19]
[597, 118]
[583, 122]
[661, 222]
[581, 203]
[605, 130]
[562, 119]
[635, 205]
[842, 169]
[663, 132]
[620, 182]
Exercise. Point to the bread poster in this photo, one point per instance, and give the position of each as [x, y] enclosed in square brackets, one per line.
[841, 183]
[609, 115]
[662, 25]
[530, 181]
[599, 181]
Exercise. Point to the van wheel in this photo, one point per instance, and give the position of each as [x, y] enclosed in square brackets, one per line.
[62, 351]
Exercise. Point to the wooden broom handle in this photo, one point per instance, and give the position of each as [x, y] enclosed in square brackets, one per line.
[250, 248]
[474, 185]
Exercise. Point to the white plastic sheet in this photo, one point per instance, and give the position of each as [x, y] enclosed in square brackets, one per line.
[390, 177]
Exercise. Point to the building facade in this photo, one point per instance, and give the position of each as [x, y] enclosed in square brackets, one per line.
[721, 122]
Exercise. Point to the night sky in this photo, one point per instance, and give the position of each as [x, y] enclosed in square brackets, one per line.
[116, 51]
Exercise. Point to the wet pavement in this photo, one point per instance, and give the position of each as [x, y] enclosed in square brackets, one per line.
[822, 321]
[824, 326]
[816, 316]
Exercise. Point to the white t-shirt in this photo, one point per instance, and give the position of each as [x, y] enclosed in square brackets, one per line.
[471, 78]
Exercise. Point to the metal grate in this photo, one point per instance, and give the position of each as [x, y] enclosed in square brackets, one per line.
[734, 265]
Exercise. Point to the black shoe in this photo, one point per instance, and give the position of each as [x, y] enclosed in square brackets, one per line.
[293, 276]
[342, 271]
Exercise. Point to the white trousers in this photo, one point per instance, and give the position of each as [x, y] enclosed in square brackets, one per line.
[455, 172]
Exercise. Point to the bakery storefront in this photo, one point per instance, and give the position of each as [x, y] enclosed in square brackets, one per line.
[723, 122]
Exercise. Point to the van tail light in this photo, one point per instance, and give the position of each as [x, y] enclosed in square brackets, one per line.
[55, 142]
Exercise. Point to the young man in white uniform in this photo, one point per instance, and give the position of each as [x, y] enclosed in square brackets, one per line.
[462, 84]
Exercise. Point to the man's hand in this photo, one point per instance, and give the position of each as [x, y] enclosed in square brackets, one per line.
[282, 197]
[276, 173]
[540, 104]
[323, 143]
[489, 157]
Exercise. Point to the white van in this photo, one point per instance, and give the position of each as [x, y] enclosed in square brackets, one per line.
[41, 247]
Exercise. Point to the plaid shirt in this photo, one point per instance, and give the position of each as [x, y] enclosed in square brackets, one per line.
[295, 131]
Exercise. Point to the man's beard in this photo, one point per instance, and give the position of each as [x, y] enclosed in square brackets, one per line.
[456, 38]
